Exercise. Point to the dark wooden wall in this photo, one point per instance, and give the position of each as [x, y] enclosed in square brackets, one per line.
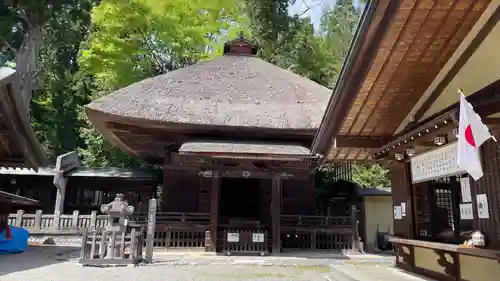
[298, 197]
[88, 194]
[399, 174]
[181, 192]
[39, 188]
[489, 184]
[185, 191]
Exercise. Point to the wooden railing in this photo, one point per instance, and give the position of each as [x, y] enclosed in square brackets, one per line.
[100, 247]
[315, 222]
[320, 232]
[63, 222]
[177, 230]
[245, 240]
[173, 218]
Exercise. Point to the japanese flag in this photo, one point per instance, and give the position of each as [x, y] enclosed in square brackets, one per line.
[472, 133]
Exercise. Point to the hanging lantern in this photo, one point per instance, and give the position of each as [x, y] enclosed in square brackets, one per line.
[440, 140]
[410, 152]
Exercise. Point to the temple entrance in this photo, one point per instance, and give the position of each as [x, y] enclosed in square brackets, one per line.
[239, 199]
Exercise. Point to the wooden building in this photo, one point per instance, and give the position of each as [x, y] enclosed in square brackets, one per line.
[232, 133]
[398, 94]
[18, 144]
[10, 202]
[86, 189]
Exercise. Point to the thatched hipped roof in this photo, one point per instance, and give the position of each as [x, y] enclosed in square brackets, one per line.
[231, 90]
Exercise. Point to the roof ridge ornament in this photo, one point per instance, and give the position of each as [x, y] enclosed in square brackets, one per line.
[240, 46]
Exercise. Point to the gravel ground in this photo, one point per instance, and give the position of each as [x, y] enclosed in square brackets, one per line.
[55, 263]
[61, 263]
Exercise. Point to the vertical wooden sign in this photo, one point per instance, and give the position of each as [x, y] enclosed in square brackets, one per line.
[150, 235]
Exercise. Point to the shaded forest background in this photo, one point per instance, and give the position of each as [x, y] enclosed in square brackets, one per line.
[71, 52]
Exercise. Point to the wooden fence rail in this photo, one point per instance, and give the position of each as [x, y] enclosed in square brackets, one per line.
[40, 221]
[101, 247]
[75, 221]
[187, 230]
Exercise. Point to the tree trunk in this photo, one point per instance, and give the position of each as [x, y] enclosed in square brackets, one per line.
[26, 62]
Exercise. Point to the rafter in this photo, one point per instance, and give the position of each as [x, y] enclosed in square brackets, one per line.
[359, 142]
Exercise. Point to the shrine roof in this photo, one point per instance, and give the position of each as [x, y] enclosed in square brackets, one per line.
[126, 173]
[18, 144]
[230, 90]
[17, 199]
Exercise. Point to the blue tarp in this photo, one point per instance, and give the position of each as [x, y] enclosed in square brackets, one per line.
[17, 242]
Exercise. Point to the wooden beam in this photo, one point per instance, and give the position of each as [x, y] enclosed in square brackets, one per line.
[491, 121]
[5, 142]
[431, 129]
[359, 142]
[214, 211]
[257, 174]
[200, 162]
[240, 173]
[483, 33]
[276, 214]
[17, 160]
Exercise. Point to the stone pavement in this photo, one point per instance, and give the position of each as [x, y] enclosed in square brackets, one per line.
[52, 263]
[370, 272]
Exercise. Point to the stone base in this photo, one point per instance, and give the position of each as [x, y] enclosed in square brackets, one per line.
[57, 240]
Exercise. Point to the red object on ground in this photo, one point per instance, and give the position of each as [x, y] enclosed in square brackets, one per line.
[8, 234]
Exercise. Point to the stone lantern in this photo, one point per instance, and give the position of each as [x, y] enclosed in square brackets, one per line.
[118, 212]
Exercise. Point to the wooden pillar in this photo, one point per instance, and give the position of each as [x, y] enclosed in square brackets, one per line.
[60, 181]
[64, 163]
[312, 206]
[276, 214]
[214, 210]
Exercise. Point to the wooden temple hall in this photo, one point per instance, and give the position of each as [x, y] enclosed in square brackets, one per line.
[233, 136]
[398, 92]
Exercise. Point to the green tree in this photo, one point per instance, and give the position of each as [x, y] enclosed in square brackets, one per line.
[61, 89]
[370, 176]
[133, 40]
[338, 25]
[21, 35]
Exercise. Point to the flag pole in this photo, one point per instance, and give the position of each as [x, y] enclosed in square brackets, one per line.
[493, 138]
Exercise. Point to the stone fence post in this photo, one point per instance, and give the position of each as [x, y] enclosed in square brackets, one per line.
[38, 220]
[74, 219]
[93, 220]
[19, 218]
[57, 218]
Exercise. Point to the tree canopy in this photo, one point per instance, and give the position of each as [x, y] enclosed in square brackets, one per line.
[69, 53]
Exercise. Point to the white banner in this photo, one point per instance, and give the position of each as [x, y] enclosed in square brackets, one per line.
[438, 163]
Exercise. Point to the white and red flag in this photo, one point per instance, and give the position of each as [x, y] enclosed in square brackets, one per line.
[472, 133]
